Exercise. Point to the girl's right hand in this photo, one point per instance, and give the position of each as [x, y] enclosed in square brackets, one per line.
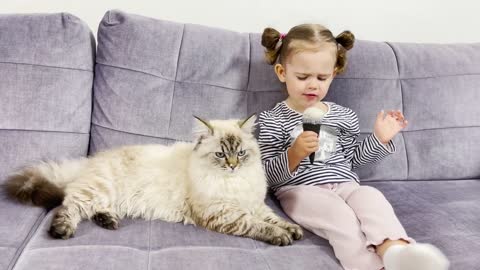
[305, 144]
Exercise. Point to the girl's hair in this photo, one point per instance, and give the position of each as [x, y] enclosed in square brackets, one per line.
[305, 37]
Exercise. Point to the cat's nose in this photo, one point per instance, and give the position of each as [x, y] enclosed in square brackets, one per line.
[232, 164]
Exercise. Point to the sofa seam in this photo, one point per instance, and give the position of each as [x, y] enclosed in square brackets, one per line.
[259, 252]
[92, 107]
[403, 106]
[175, 80]
[249, 62]
[27, 239]
[336, 78]
[418, 180]
[134, 70]
[140, 249]
[248, 72]
[440, 76]
[49, 131]
[410, 78]
[268, 90]
[86, 246]
[172, 139]
[168, 79]
[127, 132]
[46, 66]
[149, 244]
[426, 129]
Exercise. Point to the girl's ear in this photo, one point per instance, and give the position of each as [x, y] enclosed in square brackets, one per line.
[280, 71]
[202, 128]
[248, 125]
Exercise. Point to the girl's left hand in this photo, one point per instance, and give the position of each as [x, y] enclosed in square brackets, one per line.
[388, 124]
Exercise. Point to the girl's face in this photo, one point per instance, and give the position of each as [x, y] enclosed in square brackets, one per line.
[308, 75]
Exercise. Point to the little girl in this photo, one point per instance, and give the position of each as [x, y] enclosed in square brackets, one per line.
[325, 197]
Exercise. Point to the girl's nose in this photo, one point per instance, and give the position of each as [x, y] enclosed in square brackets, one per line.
[313, 85]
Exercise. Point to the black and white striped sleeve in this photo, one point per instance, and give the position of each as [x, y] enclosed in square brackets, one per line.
[370, 150]
[274, 157]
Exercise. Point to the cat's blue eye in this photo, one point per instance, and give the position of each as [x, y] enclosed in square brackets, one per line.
[219, 154]
[241, 153]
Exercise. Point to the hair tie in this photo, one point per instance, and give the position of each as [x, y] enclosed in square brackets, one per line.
[280, 42]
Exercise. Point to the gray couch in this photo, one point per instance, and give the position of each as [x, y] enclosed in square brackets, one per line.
[150, 76]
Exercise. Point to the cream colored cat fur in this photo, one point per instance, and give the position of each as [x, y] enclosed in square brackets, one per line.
[216, 182]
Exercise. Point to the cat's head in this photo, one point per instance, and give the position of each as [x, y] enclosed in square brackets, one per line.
[226, 145]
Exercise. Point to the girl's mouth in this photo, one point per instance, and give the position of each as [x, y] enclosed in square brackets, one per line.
[310, 96]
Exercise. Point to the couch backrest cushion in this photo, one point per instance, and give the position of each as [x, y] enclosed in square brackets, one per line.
[437, 87]
[46, 63]
[441, 94]
[153, 75]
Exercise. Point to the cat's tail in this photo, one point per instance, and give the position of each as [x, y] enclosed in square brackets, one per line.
[42, 184]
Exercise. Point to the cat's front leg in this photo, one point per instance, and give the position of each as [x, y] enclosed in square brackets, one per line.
[266, 213]
[270, 233]
[235, 221]
[81, 202]
[106, 219]
[64, 223]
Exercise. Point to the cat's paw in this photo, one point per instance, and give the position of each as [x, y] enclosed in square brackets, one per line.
[280, 237]
[106, 220]
[61, 228]
[295, 231]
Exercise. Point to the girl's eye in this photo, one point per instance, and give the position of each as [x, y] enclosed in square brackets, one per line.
[302, 78]
[321, 79]
[219, 154]
[241, 153]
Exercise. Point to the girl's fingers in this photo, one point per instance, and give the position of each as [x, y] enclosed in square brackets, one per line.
[391, 117]
[399, 116]
[311, 144]
[311, 139]
[396, 117]
[309, 134]
[403, 124]
[396, 113]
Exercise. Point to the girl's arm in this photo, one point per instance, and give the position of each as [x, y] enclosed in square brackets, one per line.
[275, 159]
[369, 150]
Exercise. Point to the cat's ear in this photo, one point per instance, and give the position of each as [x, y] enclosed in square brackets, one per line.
[248, 125]
[202, 127]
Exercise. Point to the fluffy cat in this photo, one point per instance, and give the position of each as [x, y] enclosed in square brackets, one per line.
[216, 182]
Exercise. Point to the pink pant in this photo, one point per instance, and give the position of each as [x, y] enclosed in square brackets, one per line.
[351, 217]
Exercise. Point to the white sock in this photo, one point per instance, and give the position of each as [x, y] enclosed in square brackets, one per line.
[415, 257]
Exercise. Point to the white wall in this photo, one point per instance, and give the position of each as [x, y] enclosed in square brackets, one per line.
[431, 21]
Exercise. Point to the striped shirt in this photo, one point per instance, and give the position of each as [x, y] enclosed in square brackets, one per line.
[338, 154]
